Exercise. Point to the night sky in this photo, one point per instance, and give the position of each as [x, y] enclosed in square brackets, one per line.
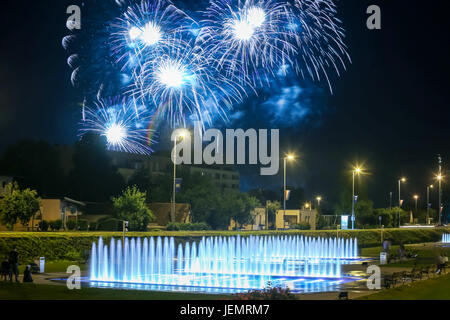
[389, 110]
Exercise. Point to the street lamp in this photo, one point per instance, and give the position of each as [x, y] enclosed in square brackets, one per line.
[399, 199]
[319, 198]
[439, 178]
[289, 157]
[416, 197]
[181, 134]
[428, 202]
[355, 171]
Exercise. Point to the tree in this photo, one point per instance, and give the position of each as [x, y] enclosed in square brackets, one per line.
[264, 195]
[272, 208]
[214, 206]
[237, 206]
[131, 206]
[18, 205]
[93, 177]
[204, 200]
[389, 217]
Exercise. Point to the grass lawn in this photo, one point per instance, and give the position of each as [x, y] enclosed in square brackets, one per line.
[30, 291]
[426, 255]
[432, 289]
[57, 266]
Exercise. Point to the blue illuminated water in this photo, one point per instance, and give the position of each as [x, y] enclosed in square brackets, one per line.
[446, 238]
[222, 263]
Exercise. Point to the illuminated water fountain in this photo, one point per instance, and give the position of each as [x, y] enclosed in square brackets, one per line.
[446, 238]
[221, 262]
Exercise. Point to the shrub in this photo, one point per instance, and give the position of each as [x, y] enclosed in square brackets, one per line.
[82, 225]
[43, 225]
[200, 226]
[55, 225]
[275, 293]
[109, 224]
[301, 226]
[71, 224]
[73, 255]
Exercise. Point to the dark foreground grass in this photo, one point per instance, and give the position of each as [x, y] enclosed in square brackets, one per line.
[30, 291]
[437, 288]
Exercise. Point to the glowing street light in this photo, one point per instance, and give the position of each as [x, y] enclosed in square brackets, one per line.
[416, 197]
[319, 198]
[289, 157]
[181, 134]
[428, 202]
[356, 171]
[439, 178]
[399, 199]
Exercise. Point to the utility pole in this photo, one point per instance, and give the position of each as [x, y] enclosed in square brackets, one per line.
[440, 190]
[390, 201]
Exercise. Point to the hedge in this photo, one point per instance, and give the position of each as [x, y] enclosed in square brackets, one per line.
[76, 245]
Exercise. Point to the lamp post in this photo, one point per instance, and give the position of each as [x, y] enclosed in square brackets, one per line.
[390, 201]
[180, 135]
[399, 199]
[287, 157]
[355, 171]
[439, 178]
[416, 197]
[319, 198]
[428, 202]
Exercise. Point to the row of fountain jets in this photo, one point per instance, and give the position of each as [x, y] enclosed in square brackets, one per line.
[446, 238]
[218, 261]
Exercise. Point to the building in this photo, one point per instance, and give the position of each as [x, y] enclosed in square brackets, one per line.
[296, 217]
[223, 176]
[159, 163]
[258, 221]
[50, 210]
[61, 209]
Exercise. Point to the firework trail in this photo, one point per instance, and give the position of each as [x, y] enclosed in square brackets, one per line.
[319, 38]
[249, 39]
[117, 121]
[182, 85]
[145, 30]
